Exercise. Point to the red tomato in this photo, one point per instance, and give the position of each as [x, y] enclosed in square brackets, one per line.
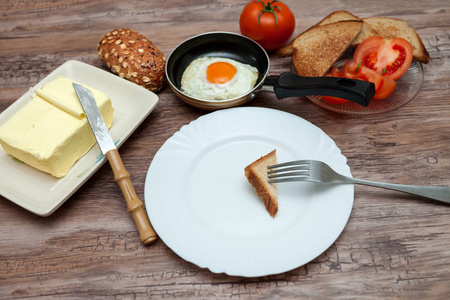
[386, 88]
[389, 58]
[269, 23]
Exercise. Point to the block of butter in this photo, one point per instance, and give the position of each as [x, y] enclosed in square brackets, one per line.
[51, 132]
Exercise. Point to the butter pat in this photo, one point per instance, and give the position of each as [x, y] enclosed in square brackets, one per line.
[51, 132]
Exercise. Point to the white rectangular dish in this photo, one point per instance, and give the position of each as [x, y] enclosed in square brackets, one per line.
[42, 193]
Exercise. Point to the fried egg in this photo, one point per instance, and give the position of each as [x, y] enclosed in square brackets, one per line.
[216, 78]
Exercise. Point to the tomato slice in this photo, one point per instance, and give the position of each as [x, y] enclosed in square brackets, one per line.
[390, 58]
[333, 100]
[367, 74]
[355, 70]
[350, 67]
[386, 88]
[349, 75]
[335, 72]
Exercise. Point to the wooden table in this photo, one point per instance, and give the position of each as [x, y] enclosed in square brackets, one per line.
[394, 245]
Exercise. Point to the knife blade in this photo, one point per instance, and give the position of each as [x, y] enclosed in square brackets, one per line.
[104, 140]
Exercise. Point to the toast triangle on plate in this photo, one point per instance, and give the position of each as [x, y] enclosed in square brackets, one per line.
[256, 174]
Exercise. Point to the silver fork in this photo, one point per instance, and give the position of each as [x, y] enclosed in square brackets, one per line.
[318, 171]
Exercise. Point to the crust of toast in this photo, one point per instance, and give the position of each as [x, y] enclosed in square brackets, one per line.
[317, 49]
[366, 31]
[286, 50]
[256, 174]
[336, 16]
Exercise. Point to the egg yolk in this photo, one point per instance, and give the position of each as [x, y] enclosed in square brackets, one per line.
[220, 72]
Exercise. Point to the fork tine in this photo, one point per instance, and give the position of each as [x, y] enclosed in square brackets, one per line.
[288, 179]
[290, 163]
[303, 173]
[298, 168]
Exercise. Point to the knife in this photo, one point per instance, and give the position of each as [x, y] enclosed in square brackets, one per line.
[147, 234]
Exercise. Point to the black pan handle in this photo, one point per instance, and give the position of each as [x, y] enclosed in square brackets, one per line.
[291, 85]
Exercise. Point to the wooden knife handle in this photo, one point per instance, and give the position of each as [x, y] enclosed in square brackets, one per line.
[134, 204]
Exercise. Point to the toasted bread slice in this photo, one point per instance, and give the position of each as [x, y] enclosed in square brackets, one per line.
[317, 49]
[337, 16]
[287, 50]
[256, 174]
[366, 31]
[390, 28]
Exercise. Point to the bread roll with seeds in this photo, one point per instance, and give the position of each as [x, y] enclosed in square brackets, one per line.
[132, 56]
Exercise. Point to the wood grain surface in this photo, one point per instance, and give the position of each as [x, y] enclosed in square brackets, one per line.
[395, 246]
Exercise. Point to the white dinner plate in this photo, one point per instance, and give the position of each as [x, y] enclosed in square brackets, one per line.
[202, 206]
[42, 193]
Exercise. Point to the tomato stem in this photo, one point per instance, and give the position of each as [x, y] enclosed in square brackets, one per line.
[269, 8]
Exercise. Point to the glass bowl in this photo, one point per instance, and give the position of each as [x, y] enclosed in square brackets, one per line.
[408, 86]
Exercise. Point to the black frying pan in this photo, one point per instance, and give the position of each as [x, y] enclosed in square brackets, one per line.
[245, 50]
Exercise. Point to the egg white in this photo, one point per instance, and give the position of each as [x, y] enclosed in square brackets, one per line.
[195, 84]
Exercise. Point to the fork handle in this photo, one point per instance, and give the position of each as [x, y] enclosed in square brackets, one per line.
[441, 193]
